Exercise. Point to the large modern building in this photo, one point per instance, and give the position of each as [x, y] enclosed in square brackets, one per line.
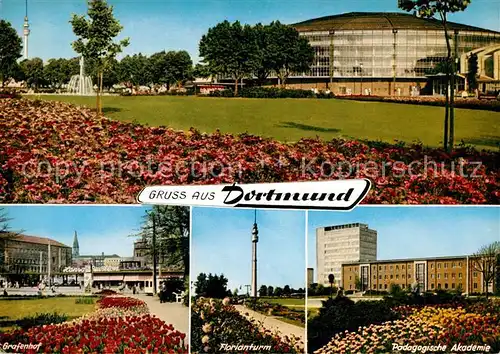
[24, 254]
[430, 274]
[340, 244]
[384, 53]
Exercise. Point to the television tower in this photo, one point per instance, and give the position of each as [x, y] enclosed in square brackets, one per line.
[255, 239]
[26, 32]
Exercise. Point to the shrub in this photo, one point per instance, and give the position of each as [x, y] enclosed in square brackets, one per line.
[342, 314]
[84, 300]
[40, 319]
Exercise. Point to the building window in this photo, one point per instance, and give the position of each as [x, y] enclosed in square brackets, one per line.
[475, 285]
[459, 275]
[379, 267]
[459, 264]
[385, 286]
[403, 276]
[446, 285]
[439, 265]
[445, 265]
[409, 276]
[397, 276]
[453, 264]
[385, 276]
[432, 265]
[380, 286]
[474, 274]
[397, 267]
[374, 287]
[439, 285]
[453, 275]
[453, 285]
[403, 266]
[432, 276]
[446, 275]
[439, 276]
[385, 267]
[374, 276]
[350, 277]
[390, 267]
[350, 286]
[409, 266]
[392, 276]
[432, 286]
[380, 277]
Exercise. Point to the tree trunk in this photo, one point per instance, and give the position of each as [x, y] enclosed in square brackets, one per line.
[450, 92]
[236, 87]
[100, 89]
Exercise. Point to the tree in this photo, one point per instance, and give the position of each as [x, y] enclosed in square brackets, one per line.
[96, 38]
[212, 286]
[472, 72]
[10, 50]
[136, 70]
[59, 71]
[441, 8]
[5, 234]
[267, 55]
[230, 49]
[286, 290]
[278, 291]
[169, 226]
[288, 52]
[485, 261]
[33, 72]
[263, 291]
[171, 68]
[202, 71]
[357, 283]
[270, 291]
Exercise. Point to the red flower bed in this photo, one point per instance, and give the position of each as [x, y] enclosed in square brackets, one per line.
[139, 334]
[106, 292]
[125, 334]
[120, 302]
[57, 153]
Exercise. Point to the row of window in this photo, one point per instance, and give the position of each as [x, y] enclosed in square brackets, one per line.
[439, 286]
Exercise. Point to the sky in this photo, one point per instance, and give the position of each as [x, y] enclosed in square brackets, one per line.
[411, 232]
[221, 243]
[156, 25]
[99, 228]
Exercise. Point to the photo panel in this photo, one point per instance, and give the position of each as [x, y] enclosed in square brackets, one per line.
[106, 279]
[404, 279]
[248, 281]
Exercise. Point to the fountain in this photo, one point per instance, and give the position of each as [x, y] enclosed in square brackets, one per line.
[81, 84]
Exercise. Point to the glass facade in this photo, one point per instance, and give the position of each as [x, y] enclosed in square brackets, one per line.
[387, 53]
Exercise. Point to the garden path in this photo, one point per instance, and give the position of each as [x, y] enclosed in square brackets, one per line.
[273, 323]
[171, 313]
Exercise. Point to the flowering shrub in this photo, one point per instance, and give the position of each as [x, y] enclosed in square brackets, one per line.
[53, 152]
[120, 325]
[215, 322]
[276, 310]
[423, 326]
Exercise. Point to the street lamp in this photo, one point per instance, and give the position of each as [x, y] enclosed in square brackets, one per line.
[361, 70]
[255, 239]
[331, 280]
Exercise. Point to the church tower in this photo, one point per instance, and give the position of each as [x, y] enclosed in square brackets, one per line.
[76, 247]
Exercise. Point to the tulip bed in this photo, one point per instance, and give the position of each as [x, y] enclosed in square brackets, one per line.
[477, 324]
[215, 322]
[120, 325]
[57, 153]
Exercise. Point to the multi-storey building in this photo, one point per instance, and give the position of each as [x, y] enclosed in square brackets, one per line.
[340, 244]
[22, 254]
[310, 276]
[430, 274]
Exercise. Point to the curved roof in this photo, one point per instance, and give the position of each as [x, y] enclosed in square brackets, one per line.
[379, 20]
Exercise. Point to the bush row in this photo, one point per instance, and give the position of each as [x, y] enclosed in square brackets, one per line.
[466, 103]
[271, 92]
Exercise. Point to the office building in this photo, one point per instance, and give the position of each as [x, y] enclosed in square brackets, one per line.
[340, 244]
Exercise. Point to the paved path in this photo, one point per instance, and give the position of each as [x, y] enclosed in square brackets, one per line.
[272, 323]
[172, 313]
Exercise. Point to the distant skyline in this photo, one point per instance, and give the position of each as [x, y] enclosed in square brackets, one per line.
[156, 25]
[99, 228]
[221, 244]
[413, 232]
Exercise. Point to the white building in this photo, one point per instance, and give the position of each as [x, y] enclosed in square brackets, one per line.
[340, 244]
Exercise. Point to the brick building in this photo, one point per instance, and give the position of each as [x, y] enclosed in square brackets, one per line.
[446, 273]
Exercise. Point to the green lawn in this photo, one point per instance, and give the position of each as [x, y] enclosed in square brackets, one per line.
[11, 310]
[292, 119]
[293, 303]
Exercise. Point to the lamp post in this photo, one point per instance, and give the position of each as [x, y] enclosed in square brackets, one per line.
[361, 70]
[331, 280]
[255, 239]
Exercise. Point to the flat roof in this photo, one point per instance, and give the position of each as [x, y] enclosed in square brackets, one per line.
[380, 21]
